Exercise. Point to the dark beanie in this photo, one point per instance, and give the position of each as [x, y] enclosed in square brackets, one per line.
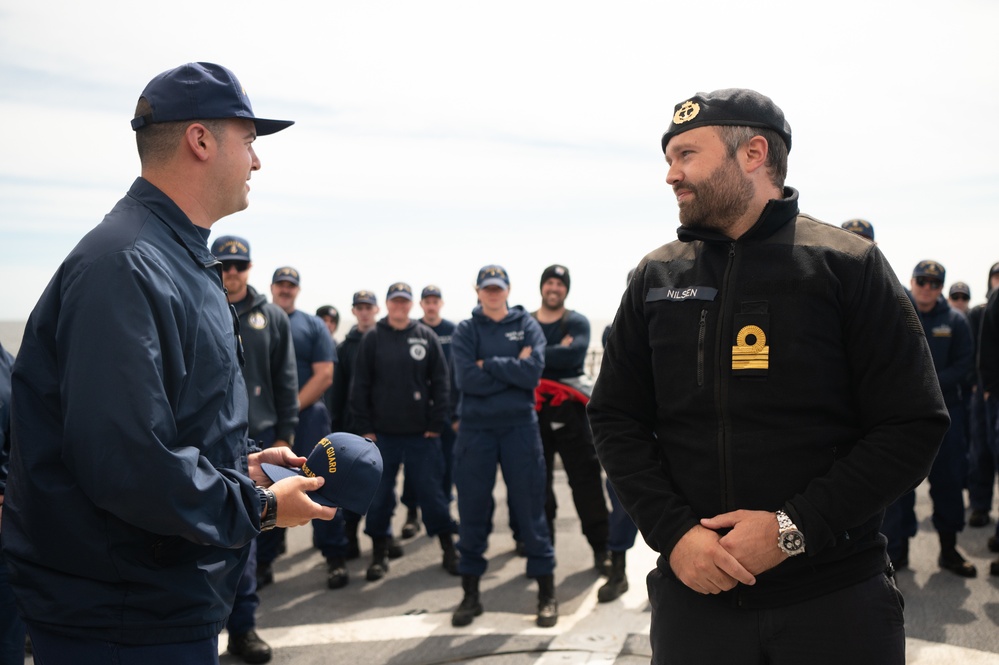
[557, 271]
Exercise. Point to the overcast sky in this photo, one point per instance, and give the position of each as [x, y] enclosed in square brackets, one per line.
[432, 138]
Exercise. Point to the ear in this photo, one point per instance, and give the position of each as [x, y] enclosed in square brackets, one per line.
[200, 141]
[754, 153]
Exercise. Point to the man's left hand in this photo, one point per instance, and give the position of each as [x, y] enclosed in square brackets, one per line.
[279, 456]
[752, 539]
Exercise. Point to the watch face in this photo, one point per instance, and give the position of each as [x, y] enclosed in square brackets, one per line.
[791, 541]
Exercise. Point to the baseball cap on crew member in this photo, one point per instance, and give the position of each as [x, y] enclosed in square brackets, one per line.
[959, 287]
[731, 106]
[399, 290]
[930, 269]
[492, 275]
[231, 248]
[431, 291]
[557, 271]
[330, 311]
[350, 465]
[286, 274]
[201, 91]
[861, 227]
[365, 298]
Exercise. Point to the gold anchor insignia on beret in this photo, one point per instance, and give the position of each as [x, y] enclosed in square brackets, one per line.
[687, 112]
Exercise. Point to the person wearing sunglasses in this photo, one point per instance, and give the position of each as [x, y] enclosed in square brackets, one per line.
[959, 297]
[949, 337]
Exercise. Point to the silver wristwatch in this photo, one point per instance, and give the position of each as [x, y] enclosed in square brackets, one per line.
[790, 541]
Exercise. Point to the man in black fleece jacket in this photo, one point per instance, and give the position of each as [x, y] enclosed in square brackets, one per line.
[766, 392]
[399, 398]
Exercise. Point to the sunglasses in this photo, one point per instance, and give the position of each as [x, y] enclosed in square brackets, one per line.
[930, 282]
[240, 266]
[959, 296]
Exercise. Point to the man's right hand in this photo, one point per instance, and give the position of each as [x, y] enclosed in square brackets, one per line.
[525, 353]
[699, 561]
[294, 507]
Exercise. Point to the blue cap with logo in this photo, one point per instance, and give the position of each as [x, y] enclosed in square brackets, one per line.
[365, 298]
[350, 465]
[861, 227]
[201, 91]
[286, 274]
[431, 291]
[399, 290]
[930, 269]
[492, 275]
[231, 248]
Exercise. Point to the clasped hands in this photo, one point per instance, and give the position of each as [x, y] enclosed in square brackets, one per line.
[710, 563]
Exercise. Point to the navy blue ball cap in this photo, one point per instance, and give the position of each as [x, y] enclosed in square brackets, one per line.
[351, 466]
[930, 269]
[201, 91]
[231, 248]
[286, 274]
[431, 291]
[365, 298]
[732, 106]
[399, 290]
[492, 275]
[860, 226]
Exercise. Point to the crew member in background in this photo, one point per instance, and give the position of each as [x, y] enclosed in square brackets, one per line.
[562, 416]
[272, 388]
[949, 337]
[315, 357]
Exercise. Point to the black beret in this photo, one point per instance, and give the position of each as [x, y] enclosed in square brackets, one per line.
[731, 106]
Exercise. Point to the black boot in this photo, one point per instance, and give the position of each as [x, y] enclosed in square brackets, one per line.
[601, 560]
[337, 576]
[249, 647]
[394, 548]
[470, 606]
[547, 605]
[617, 580]
[950, 559]
[450, 562]
[379, 559]
[412, 525]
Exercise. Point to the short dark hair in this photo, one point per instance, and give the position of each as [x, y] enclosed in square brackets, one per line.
[734, 136]
[156, 142]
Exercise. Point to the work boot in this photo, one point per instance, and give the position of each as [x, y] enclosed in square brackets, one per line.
[249, 647]
[394, 548]
[337, 576]
[379, 559]
[978, 518]
[950, 559]
[353, 547]
[412, 525]
[450, 560]
[617, 580]
[601, 560]
[547, 605]
[470, 606]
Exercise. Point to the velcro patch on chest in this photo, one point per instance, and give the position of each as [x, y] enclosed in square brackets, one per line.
[681, 293]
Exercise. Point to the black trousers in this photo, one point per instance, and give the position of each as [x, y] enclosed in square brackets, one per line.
[565, 430]
[859, 624]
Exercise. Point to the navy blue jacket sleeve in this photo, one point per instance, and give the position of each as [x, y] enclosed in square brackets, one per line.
[440, 386]
[521, 372]
[961, 355]
[6, 363]
[360, 388]
[988, 346]
[568, 357]
[468, 376]
[284, 371]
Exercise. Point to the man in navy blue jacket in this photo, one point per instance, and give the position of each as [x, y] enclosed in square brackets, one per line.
[129, 411]
[949, 336]
[399, 397]
[499, 355]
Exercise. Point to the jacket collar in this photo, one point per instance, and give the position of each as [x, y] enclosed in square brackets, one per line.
[194, 239]
[776, 214]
